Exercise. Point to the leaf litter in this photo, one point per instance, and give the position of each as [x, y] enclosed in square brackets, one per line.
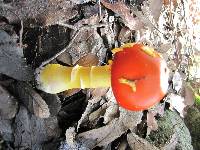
[91, 117]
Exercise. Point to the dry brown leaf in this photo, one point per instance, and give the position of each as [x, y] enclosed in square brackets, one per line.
[105, 135]
[167, 2]
[155, 7]
[65, 58]
[98, 92]
[177, 102]
[124, 35]
[38, 12]
[151, 122]
[123, 145]
[70, 92]
[9, 104]
[92, 20]
[96, 115]
[111, 112]
[188, 96]
[88, 60]
[123, 11]
[88, 41]
[87, 111]
[177, 81]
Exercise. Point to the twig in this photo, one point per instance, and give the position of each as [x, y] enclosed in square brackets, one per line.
[21, 33]
[68, 26]
[72, 40]
[99, 4]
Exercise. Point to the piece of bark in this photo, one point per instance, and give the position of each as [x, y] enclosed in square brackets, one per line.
[8, 104]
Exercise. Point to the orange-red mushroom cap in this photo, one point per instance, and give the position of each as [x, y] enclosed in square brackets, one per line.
[139, 77]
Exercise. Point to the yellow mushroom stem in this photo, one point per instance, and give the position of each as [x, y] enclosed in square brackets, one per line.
[55, 78]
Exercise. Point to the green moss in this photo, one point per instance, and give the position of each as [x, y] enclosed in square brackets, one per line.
[192, 121]
[161, 136]
[169, 125]
[197, 99]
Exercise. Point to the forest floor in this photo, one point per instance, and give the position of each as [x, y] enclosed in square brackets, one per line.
[34, 33]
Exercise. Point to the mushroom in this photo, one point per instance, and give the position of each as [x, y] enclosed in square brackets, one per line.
[138, 76]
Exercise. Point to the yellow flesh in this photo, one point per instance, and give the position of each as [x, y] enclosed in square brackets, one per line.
[115, 50]
[55, 78]
[130, 83]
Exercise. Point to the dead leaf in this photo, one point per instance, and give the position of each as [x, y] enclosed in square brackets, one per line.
[98, 92]
[92, 20]
[88, 41]
[176, 102]
[36, 12]
[111, 112]
[122, 10]
[88, 60]
[167, 2]
[110, 96]
[188, 96]
[65, 58]
[9, 104]
[70, 92]
[31, 132]
[53, 102]
[155, 7]
[123, 145]
[80, 1]
[70, 136]
[71, 143]
[124, 35]
[109, 32]
[32, 100]
[97, 114]
[137, 143]
[88, 110]
[6, 130]
[106, 134]
[177, 81]
[12, 62]
[151, 122]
